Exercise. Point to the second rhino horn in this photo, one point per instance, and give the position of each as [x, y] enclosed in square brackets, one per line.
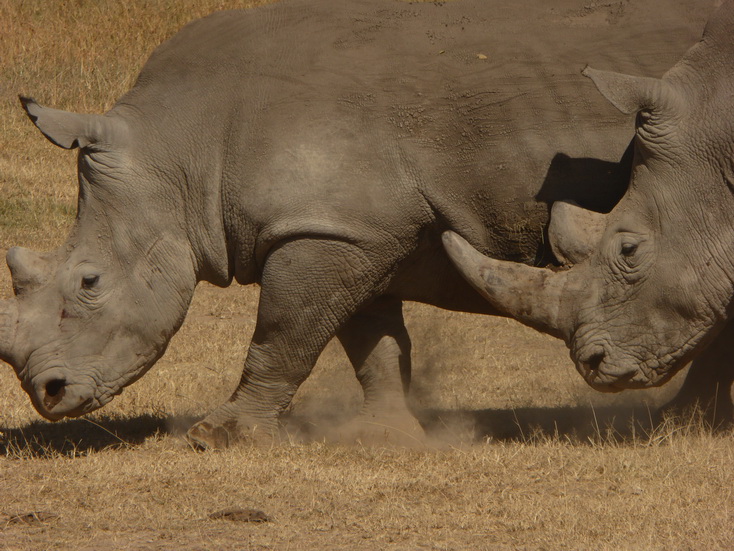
[574, 232]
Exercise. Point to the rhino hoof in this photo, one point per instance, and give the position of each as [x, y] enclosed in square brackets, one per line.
[205, 436]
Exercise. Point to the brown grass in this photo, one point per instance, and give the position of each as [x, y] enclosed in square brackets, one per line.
[521, 454]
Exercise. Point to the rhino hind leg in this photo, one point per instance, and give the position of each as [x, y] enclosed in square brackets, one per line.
[377, 343]
[708, 383]
[310, 289]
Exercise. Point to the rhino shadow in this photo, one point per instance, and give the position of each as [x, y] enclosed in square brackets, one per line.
[581, 425]
[578, 424]
[75, 437]
[593, 184]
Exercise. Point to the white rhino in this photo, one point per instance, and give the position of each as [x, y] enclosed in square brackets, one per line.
[653, 283]
[320, 149]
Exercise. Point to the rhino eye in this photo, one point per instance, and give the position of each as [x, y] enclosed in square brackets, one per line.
[628, 249]
[89, 281]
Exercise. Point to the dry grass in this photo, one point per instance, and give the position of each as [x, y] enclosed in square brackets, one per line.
[543, 495]
[521, 455]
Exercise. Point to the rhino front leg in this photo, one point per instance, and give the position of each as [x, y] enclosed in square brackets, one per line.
[377, 343]
[310, 288]
[708, 383]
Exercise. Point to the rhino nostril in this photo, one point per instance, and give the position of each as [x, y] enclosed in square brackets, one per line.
[595, 361]
[54, 386]
[54, 393]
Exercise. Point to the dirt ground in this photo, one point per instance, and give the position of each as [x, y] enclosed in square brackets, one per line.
[519, 454]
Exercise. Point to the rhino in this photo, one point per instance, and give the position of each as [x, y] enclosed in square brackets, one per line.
[651, 283]
[319, 149]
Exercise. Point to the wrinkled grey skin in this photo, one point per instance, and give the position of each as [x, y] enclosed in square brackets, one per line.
[656, 287]
[319, 149]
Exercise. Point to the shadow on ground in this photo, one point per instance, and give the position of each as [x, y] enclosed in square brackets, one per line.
[578, 424]
[523, 424]
[581, 424]
[79, 436]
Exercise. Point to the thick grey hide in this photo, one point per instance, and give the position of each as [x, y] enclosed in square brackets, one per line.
[320, 149]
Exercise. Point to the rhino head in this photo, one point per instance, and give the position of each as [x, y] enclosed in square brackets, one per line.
[94, 315]
[653, 280]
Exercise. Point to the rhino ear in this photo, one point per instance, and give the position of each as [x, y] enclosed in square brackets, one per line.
[632, 94]
[574, 232]
[71, 130]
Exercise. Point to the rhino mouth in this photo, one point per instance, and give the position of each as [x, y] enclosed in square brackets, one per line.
[55, 394]
[602, 381]
[74, 388]
[63, 400]
[603, 371]
[610, 374]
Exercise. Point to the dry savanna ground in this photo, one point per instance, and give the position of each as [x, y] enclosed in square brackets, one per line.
[520, 454]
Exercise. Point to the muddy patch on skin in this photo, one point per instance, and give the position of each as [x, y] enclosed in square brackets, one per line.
[594, 14]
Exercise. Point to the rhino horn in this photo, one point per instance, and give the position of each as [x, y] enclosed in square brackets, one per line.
[8, 325]
[28, 269]
[533, 296]
[631, 94]
[574, 232]
[71, 130]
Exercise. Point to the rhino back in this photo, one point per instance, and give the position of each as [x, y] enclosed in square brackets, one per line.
[371, 117]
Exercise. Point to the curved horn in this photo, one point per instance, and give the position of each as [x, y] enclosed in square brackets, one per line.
[8, 325]
[631, 94]
[71, 130]
[28, 269]
[533, 296]
[574, 232]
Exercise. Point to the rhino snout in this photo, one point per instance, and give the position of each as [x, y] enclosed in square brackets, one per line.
[57, 396]
[610, 375]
